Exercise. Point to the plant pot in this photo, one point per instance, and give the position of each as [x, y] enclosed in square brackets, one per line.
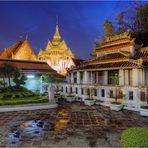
[116, 107]
[144, 112]
[89, 102]
[70, 98]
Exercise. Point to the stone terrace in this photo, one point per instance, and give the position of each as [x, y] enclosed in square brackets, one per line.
[82, 126]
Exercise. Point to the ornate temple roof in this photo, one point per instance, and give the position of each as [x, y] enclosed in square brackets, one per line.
[7, 53]
[25, 52]
[55, 49]
[119, 58]
[115, 42]
[20, 50]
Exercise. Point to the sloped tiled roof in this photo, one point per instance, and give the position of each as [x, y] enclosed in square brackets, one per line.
[113, 65]
[141, 54]
[30, 66]
[7, 53]
[109, 56]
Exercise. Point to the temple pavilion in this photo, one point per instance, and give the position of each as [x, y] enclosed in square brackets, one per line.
[57, 54]
[116, 55]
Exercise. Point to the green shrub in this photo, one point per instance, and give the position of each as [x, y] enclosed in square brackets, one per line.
[135, 137]
[38, 99]
[116, 103]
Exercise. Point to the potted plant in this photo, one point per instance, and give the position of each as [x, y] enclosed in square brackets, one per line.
[144, 109]
[117, 105]
[90, 101]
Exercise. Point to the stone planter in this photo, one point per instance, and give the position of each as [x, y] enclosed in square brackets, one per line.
[70, 98]
[143, 112]
[89, 102]
[116, 107]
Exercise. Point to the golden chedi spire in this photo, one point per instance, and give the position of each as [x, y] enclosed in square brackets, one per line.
[56, 37]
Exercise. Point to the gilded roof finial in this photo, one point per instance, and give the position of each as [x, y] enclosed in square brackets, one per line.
[21, 38]
[57, 20]
[57, 37]
[27, 36]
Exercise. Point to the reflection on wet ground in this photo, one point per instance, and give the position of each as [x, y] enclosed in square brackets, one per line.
[70, 121]
[33, 128]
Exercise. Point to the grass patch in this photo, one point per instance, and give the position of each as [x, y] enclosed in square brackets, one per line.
[135, 137]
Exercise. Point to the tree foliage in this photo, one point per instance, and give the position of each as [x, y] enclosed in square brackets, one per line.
[135, 18]
[7, 70]
[18, 78]
[109, 28]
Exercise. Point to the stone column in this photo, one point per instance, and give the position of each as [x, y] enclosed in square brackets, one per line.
[121, 77]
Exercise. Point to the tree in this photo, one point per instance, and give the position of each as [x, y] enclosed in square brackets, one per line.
[2, 82]
[18, 78]
[7, 71]
[109, 28]
[135, 19]
[118, 93]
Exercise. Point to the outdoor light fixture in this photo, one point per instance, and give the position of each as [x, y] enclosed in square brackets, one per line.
[30, 76]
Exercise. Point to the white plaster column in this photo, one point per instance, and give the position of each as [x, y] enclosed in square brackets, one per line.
[85, 77]
[144, 77]
[135, 77]
[136, 98]
[78, 77]
[91, 77]
[72, 78]
[121, 77]
[97, 78]
[105, 81]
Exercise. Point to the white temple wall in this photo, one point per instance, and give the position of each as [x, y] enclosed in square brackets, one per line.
[132, 90]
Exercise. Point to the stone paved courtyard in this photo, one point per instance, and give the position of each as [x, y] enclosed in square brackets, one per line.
[74, 125]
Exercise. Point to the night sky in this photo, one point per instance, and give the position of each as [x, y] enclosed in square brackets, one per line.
[80, 23]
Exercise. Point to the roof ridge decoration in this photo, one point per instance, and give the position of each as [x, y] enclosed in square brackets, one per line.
[127, 54]
[115, 37]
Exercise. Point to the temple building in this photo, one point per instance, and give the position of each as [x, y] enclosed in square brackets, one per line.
[116, 55]
[21, 50]
[57, 54]
[22, 56]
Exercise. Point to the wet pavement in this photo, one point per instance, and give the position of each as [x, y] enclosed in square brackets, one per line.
[69, 125]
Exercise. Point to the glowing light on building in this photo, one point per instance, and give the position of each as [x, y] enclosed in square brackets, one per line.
[30, 76]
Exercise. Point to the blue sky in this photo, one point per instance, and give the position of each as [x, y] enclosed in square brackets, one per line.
[80, 23]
